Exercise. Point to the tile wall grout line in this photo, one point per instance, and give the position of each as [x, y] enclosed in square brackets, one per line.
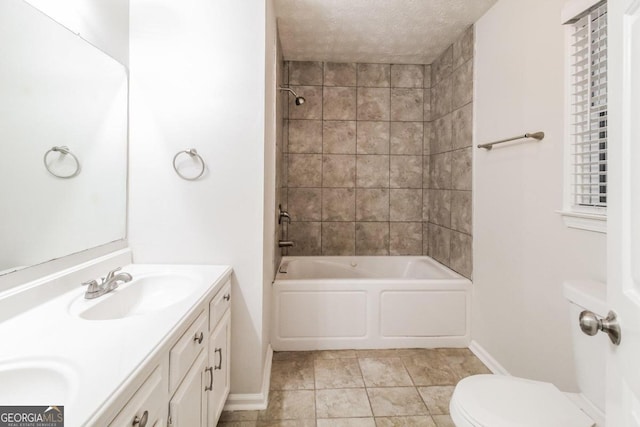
[322, 163]
[322, 190]
[422, 168]
[389, 154]
[355, 190]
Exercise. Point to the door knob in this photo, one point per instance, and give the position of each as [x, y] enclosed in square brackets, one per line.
[591, 324]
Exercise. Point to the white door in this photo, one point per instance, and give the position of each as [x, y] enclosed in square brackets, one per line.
[623, 245]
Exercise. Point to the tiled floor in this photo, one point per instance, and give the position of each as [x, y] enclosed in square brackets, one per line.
[361, 388]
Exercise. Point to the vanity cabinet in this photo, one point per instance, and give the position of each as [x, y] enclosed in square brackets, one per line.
[199, 366]
[155, 347]
[189, 382]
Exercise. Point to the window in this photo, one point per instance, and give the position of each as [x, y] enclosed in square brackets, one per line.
[587, 151]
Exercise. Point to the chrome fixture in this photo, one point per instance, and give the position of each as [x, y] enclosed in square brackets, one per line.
[283, 216]
[107, 284]
[210, 386]
[198, 338]
[219, 365]
[64, 151]
[299, 100]
[194, 155]
[536, 135]
[590, 325]
[141, 422]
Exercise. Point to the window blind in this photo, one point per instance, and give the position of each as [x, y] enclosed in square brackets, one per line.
[589, 109]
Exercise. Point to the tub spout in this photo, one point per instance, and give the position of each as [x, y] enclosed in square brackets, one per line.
[285, 243]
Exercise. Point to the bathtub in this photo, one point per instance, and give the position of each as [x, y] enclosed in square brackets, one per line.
[368, 302]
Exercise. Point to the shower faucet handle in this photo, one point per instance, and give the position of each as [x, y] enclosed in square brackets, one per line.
[283, 215]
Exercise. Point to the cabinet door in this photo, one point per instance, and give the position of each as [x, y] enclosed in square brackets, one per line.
[188, 407]
[219, 344]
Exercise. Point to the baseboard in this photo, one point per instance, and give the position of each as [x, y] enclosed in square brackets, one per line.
[253, 401]
[266, 376]
[484, 356]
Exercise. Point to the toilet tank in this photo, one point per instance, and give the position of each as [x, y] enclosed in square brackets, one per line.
[589, 352]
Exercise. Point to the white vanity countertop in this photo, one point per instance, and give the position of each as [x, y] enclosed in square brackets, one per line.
[97, 356]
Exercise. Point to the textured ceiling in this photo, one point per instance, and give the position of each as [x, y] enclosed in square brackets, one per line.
[378, 31]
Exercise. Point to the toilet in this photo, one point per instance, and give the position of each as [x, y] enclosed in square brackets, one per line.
[505, 401]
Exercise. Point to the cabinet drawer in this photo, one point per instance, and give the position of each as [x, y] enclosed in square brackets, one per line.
[220, 304]
[147, 399]
[185, 351]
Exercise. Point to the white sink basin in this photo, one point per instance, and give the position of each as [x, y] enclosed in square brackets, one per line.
[143, 295]
[37, 382]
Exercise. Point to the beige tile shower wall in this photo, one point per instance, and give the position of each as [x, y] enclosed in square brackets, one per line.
[447, 201]
[355, 164]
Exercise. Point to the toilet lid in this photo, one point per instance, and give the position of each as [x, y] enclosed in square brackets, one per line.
[501, 401]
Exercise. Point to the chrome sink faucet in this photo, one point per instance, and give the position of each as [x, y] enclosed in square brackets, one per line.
[107, 284]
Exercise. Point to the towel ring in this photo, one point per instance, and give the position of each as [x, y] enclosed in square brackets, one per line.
[194, 154]
[64, 150]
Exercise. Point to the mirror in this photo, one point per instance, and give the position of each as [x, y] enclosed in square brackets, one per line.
[57, 90]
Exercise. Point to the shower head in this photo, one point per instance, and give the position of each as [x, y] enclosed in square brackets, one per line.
[299, 100]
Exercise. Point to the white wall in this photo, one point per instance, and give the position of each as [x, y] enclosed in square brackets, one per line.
[105, 24]
[522, 250]
[270, 135]
[198, 81]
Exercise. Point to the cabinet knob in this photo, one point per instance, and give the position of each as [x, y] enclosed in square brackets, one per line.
[227, 297]
[141, 422]
[199, 337]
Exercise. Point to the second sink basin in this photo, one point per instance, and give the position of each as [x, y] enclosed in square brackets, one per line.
[143, 295]
[36, 382]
